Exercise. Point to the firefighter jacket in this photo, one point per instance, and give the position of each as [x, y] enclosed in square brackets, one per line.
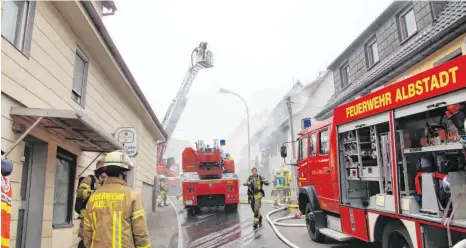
[256, 184]
[6, 211]
[163, 187]
[115, 218]
[288, 179]
[84, 192]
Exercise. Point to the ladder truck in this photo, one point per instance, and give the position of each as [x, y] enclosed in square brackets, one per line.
[201, 58]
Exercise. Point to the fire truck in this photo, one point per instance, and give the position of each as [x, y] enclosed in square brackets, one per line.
[209, 178]
[201, 58]
[389, 167]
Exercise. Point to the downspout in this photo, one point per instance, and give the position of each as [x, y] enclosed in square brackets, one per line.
[116, 54]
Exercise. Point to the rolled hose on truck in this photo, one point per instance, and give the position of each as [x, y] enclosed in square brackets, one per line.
[274, 223]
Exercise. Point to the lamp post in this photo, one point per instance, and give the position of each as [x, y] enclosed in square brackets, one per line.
[224, 91]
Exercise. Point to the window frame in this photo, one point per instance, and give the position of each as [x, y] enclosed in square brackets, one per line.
[81, 100]
[403, 26]
[313, 146]
[27, 26]
[326, 130]
[369, 52]
[72, 159]
[300, 149]
[345, 75]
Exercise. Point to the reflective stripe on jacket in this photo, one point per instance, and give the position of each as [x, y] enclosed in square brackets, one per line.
[115, 218]
[6, 211]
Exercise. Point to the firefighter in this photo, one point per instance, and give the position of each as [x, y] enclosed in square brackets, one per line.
[87, 186]
[115, 215]
[255, 185]
[277, 181]
[287, 185]
[7, 169]
[163, 193]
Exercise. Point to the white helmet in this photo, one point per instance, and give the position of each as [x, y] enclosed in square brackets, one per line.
[119, 159]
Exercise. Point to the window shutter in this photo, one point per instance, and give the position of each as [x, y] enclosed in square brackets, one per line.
[78, 78]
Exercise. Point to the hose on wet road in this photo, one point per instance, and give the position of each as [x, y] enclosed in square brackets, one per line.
[274, 224]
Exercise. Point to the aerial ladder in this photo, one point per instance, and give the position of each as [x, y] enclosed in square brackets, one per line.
[201, 58]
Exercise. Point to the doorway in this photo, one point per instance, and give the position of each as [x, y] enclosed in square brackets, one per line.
[34, 160]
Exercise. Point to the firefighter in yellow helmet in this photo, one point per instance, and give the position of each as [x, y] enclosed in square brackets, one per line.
[87, 186]
[287, 185]
[163, 193]
[115, 215]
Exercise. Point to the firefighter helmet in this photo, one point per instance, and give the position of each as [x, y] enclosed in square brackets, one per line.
[117, 159]
[285, 170]
[99, 164]
[277, 171]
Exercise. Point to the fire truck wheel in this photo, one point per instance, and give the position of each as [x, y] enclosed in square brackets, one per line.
[231, 208]
[396, 235]
[311, 225]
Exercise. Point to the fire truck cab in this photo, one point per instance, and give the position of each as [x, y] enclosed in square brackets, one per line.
[389, 167]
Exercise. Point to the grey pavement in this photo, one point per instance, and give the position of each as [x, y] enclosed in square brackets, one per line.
[163, 227]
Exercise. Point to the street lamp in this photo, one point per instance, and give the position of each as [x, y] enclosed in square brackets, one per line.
[224, 91]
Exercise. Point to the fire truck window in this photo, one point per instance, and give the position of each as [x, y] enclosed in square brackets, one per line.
[302, 149]
[324, 142]
[313, 145]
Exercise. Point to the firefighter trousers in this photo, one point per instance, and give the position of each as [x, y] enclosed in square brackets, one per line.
[256, 207]
[163, 195]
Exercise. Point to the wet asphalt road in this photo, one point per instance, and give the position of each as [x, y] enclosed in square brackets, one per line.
[217, 229]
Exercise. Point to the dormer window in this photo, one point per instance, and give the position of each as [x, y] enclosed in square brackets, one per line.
[372, 52]
[345, 75]
[407, 24]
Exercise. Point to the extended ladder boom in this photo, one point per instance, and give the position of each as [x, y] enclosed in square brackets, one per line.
[200, 58]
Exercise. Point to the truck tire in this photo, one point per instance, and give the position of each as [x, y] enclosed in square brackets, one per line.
[314, 233]
[395, 235]
[231, 207]
[193, 210]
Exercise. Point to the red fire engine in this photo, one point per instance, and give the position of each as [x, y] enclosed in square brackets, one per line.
[389, 167]
[209, 179]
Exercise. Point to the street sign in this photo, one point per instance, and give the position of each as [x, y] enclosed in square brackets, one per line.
[128, 137]
[305, 123]
[222, 142]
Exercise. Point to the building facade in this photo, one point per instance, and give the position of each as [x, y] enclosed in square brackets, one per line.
[407, 38]
[306, 101]
[65, 93]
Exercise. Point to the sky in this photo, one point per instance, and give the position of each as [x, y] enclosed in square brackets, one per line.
[258, 47]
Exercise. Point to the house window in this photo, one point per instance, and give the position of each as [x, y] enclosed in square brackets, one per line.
[407, 24]
[372, 52]
[324, 145]
[313, 145]
[17, 22]
[81, 66]
[345, 75]
[64, 188]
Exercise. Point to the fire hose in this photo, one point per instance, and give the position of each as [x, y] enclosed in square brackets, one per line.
[274, 223]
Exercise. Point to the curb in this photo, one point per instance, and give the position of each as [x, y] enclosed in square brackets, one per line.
[180, 230]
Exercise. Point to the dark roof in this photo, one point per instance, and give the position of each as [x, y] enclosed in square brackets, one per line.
[386, 15]
[449, 25]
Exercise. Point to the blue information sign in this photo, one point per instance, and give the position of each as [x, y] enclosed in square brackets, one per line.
[305, 123]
